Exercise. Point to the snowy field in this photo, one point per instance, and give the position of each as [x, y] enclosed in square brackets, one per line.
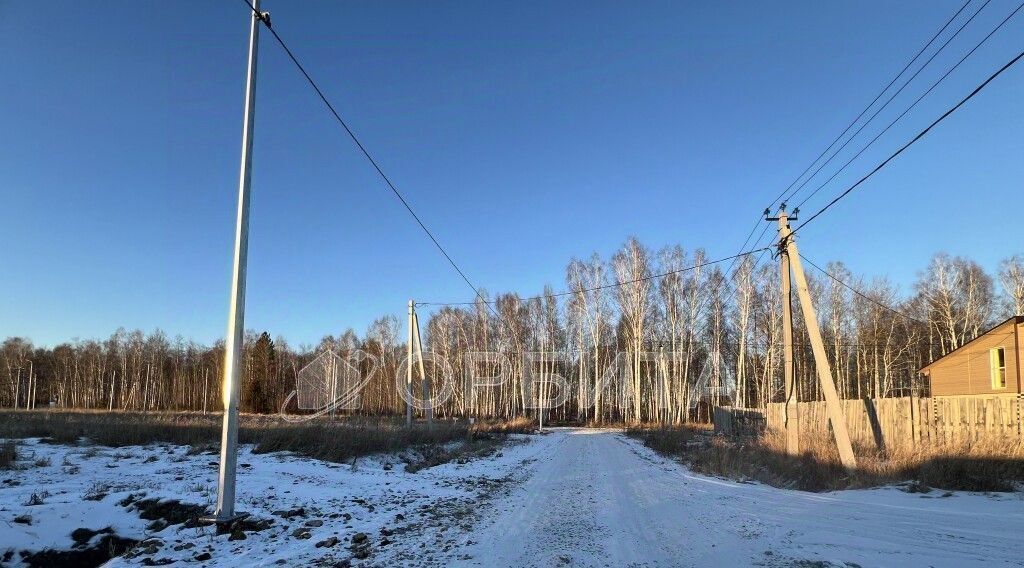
[568, 498]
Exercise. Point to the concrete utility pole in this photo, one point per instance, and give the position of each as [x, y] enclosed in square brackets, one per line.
[792, 409]
[334, 386]
[424, 382]
[540, 402]
[30, 403]
[791, 256]
[408, 369]
[206, 384]
[225, 512]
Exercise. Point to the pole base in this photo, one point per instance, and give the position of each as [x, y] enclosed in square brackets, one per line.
[222, 521]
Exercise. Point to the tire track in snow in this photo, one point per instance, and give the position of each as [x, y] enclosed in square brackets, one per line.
[597, 498]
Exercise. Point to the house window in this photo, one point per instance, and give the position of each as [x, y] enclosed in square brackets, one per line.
[997, 362]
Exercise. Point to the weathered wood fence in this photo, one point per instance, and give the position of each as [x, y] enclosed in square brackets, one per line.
[733, 421]
[894, 422]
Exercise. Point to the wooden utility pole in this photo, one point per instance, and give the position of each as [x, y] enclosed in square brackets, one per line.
[787, 246]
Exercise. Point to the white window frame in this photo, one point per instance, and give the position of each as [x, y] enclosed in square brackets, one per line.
[997, 373]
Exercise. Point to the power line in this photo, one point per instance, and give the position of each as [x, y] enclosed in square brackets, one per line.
[914, 104]
[873, 101]
[705, 302]
[604, 286]
[747, 240]
[912, 141]
[476, 290]
[732, 264]
[861, 294]
[864, 111]
[362, 148]
[889, 100]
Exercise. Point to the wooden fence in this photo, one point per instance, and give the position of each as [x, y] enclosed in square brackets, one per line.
[738, 421]
[894, 422]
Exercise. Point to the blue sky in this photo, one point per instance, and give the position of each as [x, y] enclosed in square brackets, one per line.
[524, 133]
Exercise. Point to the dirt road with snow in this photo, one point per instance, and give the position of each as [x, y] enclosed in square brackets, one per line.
[568, 498]
[597, 498]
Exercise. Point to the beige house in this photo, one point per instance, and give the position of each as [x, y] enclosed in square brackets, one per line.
[987, 365]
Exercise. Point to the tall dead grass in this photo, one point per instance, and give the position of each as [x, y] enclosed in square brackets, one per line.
[519, 425]
[988, 465]
[339, 441]
[8, 454]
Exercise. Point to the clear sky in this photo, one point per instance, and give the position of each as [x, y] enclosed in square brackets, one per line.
[524, 133]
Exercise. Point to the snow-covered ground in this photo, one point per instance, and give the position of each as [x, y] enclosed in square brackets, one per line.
[568, 498]
[597, 498]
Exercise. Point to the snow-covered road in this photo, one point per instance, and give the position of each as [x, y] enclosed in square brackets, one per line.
[597, 498]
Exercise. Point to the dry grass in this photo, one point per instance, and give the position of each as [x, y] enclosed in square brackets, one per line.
[514, 426]
[8, 454]
[338, 441]
[341, 442]
[996, 465]
[114, 429]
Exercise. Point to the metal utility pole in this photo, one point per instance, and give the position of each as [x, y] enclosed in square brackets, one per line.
[787, 245]
[225, 512]
[408, 369]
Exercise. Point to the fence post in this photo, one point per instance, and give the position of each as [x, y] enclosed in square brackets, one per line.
[1020, 404]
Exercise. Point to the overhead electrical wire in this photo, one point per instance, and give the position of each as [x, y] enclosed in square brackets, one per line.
[906, 67]
[362, 148]
[616, 284]
[903, 148]
[920, 135]
[861, 294]
[873, 101]
[482, 299]
[881, 108]
[478, 294]
[914, 104]
[861, 115]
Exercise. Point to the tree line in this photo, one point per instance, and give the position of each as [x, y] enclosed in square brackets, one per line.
[701, 334]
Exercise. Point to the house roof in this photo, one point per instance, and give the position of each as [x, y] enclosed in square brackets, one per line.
[1014, 319]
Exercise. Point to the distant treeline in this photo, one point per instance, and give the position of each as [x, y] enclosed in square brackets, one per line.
[719, 326]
